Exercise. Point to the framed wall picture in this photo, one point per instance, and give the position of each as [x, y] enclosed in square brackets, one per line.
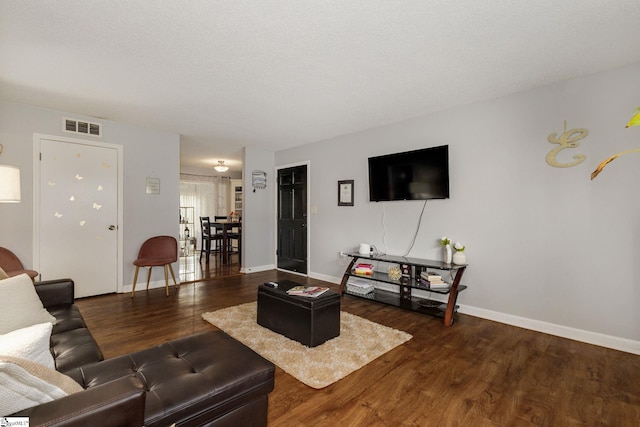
[345, 193]
[153, 185]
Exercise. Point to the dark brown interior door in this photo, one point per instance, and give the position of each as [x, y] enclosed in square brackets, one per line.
[292, 219]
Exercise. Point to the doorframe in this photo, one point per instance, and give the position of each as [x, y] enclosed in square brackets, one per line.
[37, 138]
[306, 163]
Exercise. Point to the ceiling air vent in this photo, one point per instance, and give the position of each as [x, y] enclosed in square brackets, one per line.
[81, 127]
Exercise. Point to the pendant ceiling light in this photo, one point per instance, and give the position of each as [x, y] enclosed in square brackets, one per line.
[220, 167]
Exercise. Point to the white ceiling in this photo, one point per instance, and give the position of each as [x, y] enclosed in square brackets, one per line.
[279, 73]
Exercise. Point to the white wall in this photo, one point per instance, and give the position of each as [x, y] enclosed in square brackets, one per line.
[548, 248]
[147, 153]
[258, 216]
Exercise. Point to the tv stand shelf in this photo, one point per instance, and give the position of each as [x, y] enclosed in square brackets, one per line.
[406, 284]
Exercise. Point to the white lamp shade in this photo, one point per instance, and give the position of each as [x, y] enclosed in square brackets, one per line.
[9, 184]
[220, 167]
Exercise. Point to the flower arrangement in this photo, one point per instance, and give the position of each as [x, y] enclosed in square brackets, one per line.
[459, 247]
[445, 242]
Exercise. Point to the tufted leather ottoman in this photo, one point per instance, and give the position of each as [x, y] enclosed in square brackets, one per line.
[310, 321]
[192, 380]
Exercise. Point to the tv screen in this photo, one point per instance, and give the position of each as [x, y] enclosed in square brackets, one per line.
[412, 175]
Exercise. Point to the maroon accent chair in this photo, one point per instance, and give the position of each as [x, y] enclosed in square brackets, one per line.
[11, 265]
[154, 252]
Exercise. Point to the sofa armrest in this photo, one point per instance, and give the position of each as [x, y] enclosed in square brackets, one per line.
[114, 404]
[55, 292]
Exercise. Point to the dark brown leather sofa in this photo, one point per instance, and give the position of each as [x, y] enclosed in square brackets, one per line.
[207, 379]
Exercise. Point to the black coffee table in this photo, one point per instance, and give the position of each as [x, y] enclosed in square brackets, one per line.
[310, 321]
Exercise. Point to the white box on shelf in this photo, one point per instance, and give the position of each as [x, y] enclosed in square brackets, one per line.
[359, 286]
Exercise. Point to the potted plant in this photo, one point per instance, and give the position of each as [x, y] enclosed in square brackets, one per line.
[459, 257]
[445, 242]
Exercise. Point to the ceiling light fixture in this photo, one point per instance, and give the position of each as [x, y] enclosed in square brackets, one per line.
[9, 183]
[220, 167]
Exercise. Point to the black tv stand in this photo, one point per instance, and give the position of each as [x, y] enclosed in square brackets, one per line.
[404, 298]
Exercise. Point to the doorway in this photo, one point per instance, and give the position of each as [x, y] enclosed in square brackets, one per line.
[77, 213]
[292, 219]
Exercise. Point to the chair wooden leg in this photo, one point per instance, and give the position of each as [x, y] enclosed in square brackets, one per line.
[173, 275]
[203, 246]
[166, 280]
[135, 279]
[149, 277]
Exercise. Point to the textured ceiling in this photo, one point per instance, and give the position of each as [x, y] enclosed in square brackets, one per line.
[276, 74]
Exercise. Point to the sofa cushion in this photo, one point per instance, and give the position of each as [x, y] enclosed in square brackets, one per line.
[24, 384]
[25, 308]
[74, 348]
[30, 343]
[72, 345]
[67, 318]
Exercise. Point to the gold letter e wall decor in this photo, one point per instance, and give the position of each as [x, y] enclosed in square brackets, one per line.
[568, 139]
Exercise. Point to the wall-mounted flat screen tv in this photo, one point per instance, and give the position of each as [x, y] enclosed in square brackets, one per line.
[412, 175]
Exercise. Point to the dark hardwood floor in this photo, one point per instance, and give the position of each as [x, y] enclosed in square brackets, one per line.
[475, 373]
[194, 268]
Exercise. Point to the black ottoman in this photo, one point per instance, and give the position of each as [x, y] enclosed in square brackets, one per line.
[310, 321]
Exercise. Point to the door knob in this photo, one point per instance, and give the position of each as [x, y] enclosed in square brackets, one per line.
[112, 227]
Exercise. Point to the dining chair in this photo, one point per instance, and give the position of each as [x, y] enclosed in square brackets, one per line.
[235, 234]
[12, 265]
[207, 238]
[154, 252]
[218, 218]
[219, 230]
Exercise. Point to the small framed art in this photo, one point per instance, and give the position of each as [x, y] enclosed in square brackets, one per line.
[345, 193]
[153, 185]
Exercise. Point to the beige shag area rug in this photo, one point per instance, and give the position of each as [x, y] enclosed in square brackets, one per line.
[360, 342]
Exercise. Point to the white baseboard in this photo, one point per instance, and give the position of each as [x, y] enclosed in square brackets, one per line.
[325, 278]
[256, 269]
[616, 343]
[595, 338]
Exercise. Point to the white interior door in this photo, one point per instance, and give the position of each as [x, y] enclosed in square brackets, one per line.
[78, 215]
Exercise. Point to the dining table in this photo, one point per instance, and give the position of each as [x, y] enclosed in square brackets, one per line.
[226, 226]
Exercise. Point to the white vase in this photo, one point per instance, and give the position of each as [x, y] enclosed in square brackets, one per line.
[459, 258]
[447, 254]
